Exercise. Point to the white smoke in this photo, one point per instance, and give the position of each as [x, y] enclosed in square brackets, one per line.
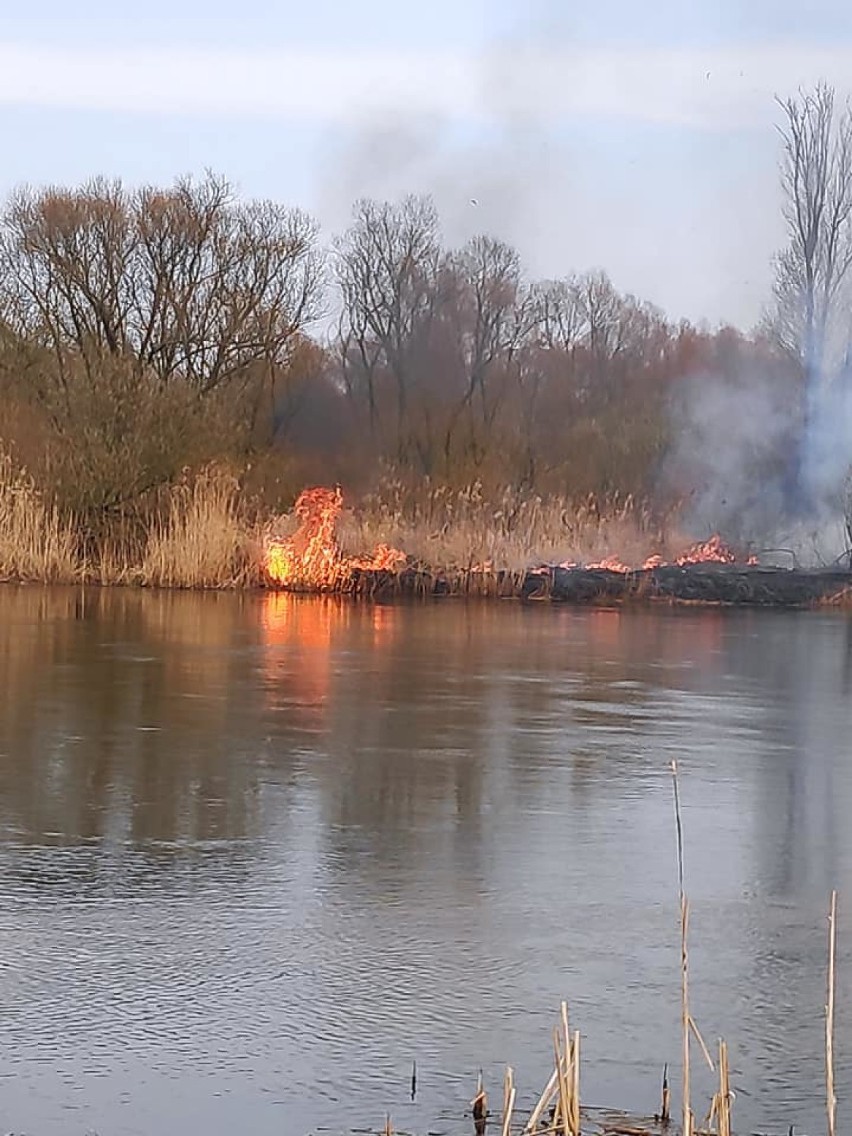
[828, 445]
[733, 455]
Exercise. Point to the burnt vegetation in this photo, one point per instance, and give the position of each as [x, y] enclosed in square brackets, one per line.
[151, 333]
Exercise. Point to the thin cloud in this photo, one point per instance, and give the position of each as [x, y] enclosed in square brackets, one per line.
[325, 86]
[715, 88]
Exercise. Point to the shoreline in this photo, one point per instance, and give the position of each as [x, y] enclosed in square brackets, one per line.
[702, 585]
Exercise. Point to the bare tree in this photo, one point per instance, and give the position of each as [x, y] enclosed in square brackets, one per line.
[490, 313]
[816, 182]
[186, 283]
[387, 266]
[560, 315]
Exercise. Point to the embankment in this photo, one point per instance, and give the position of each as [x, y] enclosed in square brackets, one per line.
[708, 584]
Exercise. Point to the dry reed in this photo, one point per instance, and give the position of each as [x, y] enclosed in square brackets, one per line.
[666, 1101]
[548, 1093]
[479, 1105]
[566, 1049]
[506, 531]
[203, 541]
[114, 564]
[831, 1099]
[684, 962]
[720, 1107]
[36, 542]
[508, 1100]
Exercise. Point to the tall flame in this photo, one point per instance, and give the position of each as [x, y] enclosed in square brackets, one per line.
[311, 558]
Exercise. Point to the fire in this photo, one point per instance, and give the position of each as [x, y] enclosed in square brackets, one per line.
[312, 558]
[712, 551]
[384, 559]
[611, 564]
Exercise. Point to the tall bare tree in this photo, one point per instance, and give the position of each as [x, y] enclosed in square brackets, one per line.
[489, 312]
[816, 182]
[388, 266]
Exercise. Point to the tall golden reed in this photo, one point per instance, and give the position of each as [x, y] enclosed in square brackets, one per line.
[203, 540]
[36, 542]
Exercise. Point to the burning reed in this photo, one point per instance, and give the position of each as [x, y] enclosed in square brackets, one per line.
[307, 550]
[207, 531]
[507, 530]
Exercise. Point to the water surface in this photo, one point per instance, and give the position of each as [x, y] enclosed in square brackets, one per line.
[259, 853]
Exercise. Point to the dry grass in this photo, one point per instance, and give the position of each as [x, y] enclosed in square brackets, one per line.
[36, 542]
[509, 531]
[203, 540]
[208, 530]
[114, 564]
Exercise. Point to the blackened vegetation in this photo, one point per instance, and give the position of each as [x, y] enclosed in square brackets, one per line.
[708, 583]
[695, 583]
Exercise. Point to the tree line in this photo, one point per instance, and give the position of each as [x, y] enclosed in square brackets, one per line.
[144, 331]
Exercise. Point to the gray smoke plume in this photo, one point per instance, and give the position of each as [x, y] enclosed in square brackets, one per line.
[501, 172]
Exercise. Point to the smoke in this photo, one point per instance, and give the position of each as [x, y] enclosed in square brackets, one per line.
[734, 454]
[550, 193]
[492, 180]
[827, 445]
[681, 214]
[502, 170]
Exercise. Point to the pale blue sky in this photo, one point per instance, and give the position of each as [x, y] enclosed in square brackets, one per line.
[635, 137]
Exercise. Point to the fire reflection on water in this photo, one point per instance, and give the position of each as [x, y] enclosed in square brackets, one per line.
[298, 635]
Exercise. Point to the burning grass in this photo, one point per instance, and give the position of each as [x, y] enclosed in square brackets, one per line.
[311, 558]
[462, 544]
[207, 531]
[36, 542]
[507, 531]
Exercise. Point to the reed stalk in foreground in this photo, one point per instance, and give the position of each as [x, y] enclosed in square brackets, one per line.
[720, 1107]
[479, 1104]
[548, 1093]
[684, 960]
[666, 1101]
[831, 1099]
[566, 1049]
[508, 1100]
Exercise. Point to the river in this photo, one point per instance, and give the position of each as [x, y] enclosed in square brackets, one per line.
[260, 853]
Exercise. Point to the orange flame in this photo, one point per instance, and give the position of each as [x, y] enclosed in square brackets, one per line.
[712, 551]
[611, 564]
[312, 558]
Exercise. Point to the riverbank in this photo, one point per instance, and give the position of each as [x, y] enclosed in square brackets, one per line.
[705, 584]
[206, 533]
[211, 530]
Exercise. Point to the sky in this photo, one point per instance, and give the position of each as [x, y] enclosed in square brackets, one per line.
[637, 138]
